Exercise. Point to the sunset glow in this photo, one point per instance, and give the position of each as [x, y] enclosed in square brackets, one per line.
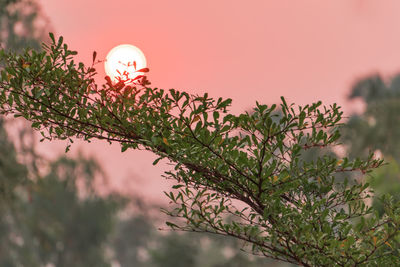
[247, 51]
[124, 62]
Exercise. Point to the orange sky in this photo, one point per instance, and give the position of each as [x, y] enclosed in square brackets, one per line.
[305, 50]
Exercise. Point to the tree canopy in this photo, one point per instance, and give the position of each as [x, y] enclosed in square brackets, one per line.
[235, 175]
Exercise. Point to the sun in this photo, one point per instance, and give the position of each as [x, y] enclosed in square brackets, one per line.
[125, 62]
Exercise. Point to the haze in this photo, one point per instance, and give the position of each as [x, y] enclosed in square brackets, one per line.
[256, 50]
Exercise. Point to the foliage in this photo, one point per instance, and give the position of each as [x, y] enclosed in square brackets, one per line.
[240, 176]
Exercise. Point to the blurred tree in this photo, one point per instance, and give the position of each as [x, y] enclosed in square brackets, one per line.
[137, 243]
[385, 180]
[376, 128]
[22, 24]
[56, 219]
[206, 251]
[132, 235]
[175, 250]
[12, 172]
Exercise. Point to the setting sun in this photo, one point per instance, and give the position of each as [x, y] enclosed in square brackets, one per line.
[125, 62]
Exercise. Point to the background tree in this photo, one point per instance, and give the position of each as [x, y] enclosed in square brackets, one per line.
[22, 24]
[47, 220]
[12, 173]
[375, 129]
[213, 251]
[138, 243]
[246, 166]
[18, 29]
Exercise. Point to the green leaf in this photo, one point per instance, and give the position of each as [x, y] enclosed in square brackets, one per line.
[157, 160]
[216, 116]
[52, 37]
[60, 41]
[124, 147]
[36, 124]
[172, 225]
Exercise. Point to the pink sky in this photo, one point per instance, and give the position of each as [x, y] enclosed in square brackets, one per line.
[306, 50]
